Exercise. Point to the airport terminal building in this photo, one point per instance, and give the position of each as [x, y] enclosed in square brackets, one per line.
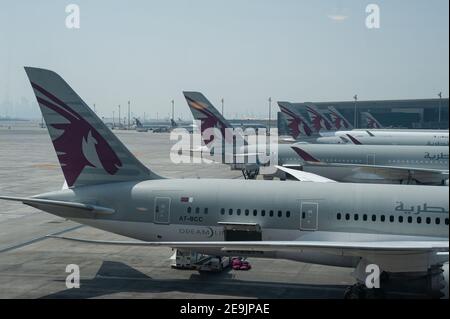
[415, 114]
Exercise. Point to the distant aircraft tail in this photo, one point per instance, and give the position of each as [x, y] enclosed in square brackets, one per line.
[209, 117]
[88, 152]
[297, 125]
[371, 121]
[318, 119]
[138, 123]
[338, 120]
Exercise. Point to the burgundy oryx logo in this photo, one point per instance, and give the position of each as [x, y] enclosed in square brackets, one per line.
[80, 144]
[296, 124]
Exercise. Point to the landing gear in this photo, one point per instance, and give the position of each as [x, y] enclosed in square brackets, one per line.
[250, 174]
[360, 291]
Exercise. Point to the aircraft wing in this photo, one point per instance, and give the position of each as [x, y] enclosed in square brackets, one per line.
[390, 172]
[305, 176]
[394, 256]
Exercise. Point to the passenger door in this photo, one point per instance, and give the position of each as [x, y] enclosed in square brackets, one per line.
[371, 159]
[309, 215]
[162, 210]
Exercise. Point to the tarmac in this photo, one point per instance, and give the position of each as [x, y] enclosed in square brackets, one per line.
[34, 266]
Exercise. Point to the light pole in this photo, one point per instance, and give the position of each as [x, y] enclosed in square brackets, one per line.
[114, 120]
[270, 113]
[355, 119]
[128, 114]
[120, 121]
[440, 106]
[173, 110]
[222, 101]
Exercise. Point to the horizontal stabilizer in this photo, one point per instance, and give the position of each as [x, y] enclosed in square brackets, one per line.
[41, 203]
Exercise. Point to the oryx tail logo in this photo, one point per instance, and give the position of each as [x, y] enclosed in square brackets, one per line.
[319, 122]
[371, 121]
[208, 119]
[297, 125]
[80, 144]
[338, 120]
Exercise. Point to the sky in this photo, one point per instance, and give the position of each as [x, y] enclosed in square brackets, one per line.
[244, 51]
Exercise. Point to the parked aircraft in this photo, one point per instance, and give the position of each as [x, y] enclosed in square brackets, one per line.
[370, 121]
[373, 163]
[296, 123]
[401, 230]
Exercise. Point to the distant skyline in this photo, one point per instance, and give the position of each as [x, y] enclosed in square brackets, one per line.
[148, 52]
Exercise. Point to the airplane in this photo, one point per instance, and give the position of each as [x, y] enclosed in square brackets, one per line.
[338, 120]
[371, 121]
[156, 127]
[301, 129]
[396, 137]
[373, 163]
[401, 230]
[318, 119]
[210, 119]
[359, 136]
[162, 127]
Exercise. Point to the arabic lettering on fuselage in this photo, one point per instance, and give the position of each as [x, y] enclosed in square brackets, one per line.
[436, 157]
[419, 209]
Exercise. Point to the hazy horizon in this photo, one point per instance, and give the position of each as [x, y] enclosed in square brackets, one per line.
[245, 52]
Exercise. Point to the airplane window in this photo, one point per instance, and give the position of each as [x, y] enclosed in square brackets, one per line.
[288, 214]
[239, 212]
[438, 221]
[428, 220]
[255, 212]
[410, 219]
[280, 213]
[197, 210]
[271, 213]
[356, 216]
[222, 211]
[247, 212]
[419, 220]
[383, 218]
[263, 213]
[374, 218]
[206, 210]
[230, 211]
[365, 217]
[446, 221]
[339, 216]
[391, 219]
[400, 219]
[189, 210]
[347, 216]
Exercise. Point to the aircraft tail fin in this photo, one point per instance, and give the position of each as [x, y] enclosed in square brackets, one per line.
[209, 117]
[297, 125]
[371, 121]
[88, 152]
[318, 120]
[338, 120]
